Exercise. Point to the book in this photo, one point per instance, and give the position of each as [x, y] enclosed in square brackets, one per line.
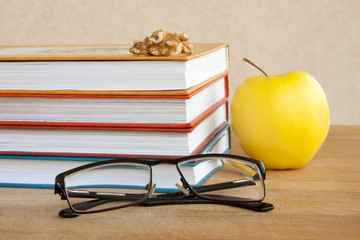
[105, 69]
[154, 111]
[111, 141]
[66, 103]
[40, 171]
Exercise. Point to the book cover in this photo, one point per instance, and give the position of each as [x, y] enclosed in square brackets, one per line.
[116, 52]
[40, 171]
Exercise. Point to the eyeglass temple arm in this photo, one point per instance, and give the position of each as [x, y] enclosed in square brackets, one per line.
[225, 185]
[199, 189]
[209, 188]
[162, 199]
[255, 206]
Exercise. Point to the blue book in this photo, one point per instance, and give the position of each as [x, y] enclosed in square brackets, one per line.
[40, 171]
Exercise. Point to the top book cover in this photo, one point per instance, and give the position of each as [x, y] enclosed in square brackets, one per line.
[106, 69]
[95, 53]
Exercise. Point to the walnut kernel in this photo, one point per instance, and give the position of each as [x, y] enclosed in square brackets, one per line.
[163, 43]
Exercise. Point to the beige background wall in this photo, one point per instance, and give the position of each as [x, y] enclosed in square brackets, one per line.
[320, 37]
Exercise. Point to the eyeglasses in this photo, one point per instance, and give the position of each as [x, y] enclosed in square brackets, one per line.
[118, 183]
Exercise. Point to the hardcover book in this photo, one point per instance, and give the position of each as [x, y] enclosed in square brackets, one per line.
[110, 141]
[153, 111]
[40, 171]
[106, 69]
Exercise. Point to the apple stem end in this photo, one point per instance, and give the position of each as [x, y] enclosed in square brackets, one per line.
[248, 61]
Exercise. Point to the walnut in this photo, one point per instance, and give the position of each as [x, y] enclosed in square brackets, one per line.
[139, 47]
[163, 43]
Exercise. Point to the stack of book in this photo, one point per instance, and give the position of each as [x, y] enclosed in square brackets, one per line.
[64, 106]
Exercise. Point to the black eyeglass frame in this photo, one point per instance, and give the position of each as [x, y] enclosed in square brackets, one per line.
[60, 183]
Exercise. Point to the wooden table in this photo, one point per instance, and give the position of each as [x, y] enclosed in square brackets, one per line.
[318, 201]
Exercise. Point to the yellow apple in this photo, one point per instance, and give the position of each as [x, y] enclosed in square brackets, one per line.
[281, 120]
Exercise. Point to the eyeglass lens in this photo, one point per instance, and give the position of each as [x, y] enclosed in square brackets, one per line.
[230, 179]
[117, 184]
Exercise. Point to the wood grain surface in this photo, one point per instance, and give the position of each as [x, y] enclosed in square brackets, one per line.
[318, 201]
